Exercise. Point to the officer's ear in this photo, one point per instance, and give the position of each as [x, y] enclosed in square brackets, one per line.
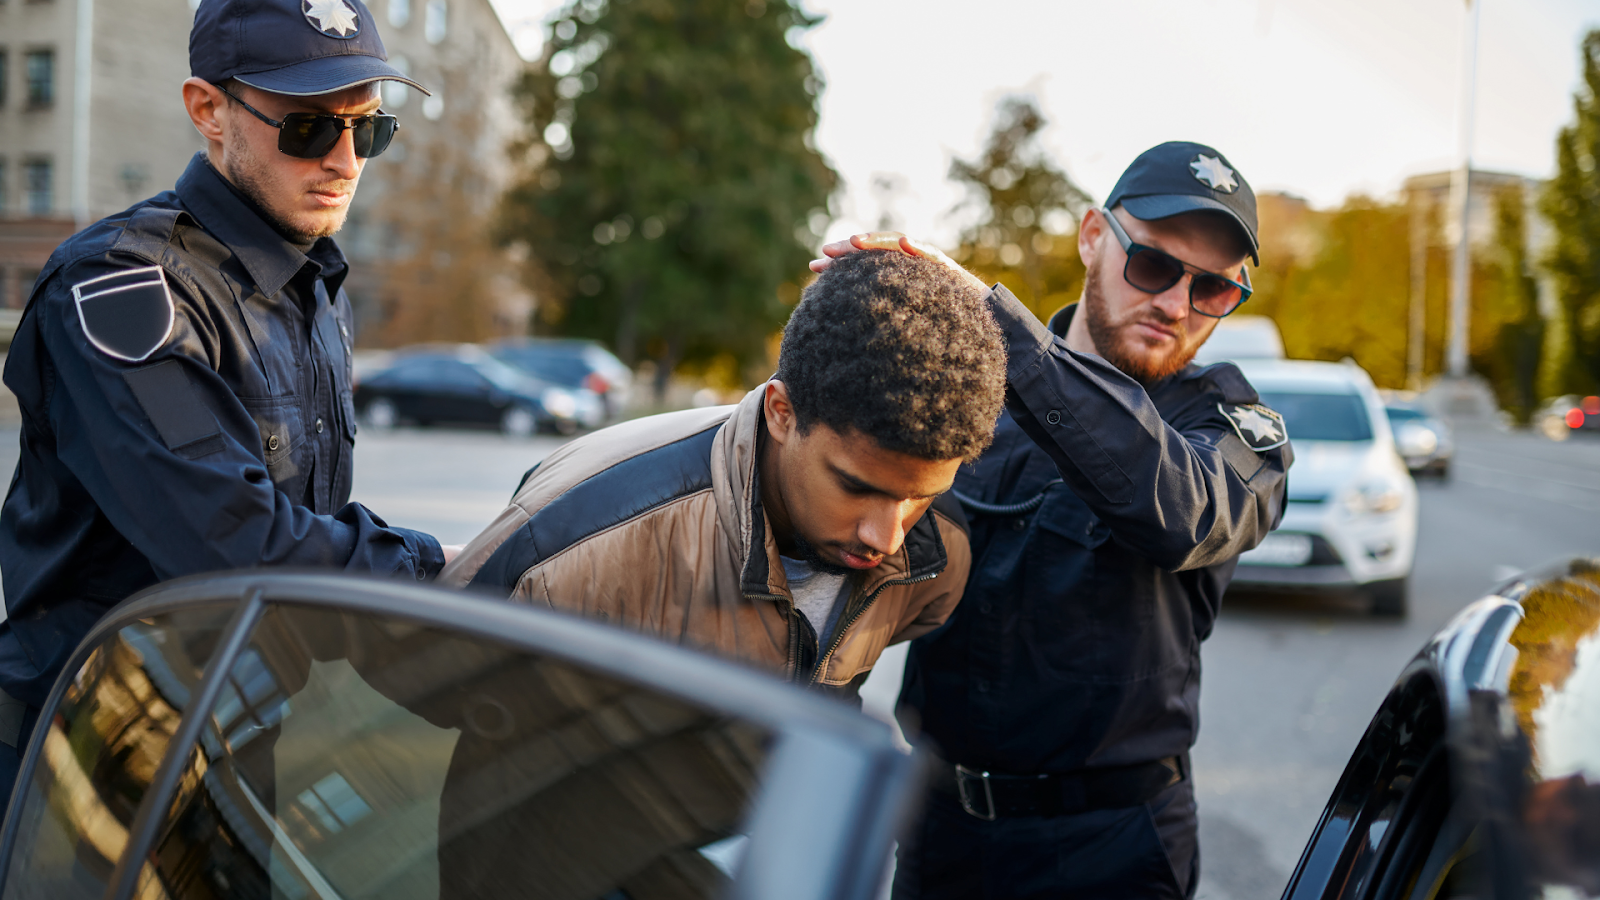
[1091, 231]
[204, 101]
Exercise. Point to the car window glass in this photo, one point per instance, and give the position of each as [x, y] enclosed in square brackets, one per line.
[1321, 417]
[567, 371]
[1404, 415]
[355, 757]
[453, 373]
[413, 372]
[101, 749]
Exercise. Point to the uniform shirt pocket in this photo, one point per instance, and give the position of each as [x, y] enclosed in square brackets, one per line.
[1063, 514]
[279, 421]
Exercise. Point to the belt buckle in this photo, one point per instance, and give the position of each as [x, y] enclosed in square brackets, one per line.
[962, 791]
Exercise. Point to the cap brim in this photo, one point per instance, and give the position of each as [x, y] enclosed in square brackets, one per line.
[1160, 206]
[326, 75]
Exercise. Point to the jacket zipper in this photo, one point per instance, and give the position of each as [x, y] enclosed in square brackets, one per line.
[794, 633]
[838, 637]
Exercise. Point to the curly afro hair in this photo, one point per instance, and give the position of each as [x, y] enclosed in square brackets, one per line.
[899, 348]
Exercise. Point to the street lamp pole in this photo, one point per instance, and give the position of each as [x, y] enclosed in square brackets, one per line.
[1460, 201]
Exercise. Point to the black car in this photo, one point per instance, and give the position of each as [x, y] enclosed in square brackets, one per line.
[260, 735]
[598, 380]
[1480, 775]
[462, 385]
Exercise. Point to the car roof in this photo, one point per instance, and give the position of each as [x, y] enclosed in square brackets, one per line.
[1304, 375]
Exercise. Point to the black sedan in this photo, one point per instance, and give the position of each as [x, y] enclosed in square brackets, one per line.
[1480, 775]
[462, 385]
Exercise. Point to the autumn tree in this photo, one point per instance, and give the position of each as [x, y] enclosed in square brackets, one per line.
[1027, 210]
[672, 195]
[1571, 202]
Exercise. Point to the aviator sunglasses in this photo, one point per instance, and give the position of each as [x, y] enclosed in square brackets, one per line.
[1154, 271]
[313, 135]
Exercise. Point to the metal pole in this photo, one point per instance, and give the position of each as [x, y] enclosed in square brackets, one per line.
[1461, 201]
[82, 67]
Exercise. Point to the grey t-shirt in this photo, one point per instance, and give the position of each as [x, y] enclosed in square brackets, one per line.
[819, 596]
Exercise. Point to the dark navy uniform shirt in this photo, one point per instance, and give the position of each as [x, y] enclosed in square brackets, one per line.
[1077, 642]
[227, 446]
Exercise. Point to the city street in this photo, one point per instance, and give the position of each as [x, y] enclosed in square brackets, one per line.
[1290, 682]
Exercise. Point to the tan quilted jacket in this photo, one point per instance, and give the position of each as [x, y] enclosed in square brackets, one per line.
[657, 525]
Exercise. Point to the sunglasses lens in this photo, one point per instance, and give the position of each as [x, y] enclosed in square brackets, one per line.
[308, 135]
[1214, 296]
[373, 134]
[1152, 271]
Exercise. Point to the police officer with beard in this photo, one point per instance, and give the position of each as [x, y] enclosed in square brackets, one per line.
[1107, 519]
[183, 367]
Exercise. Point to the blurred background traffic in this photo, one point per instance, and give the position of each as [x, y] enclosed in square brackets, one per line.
[606, 209]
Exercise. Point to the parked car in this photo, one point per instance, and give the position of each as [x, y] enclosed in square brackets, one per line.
[1351, 521]
[1242, 337]
[1424, 441]
[259, 735]
[1565, 416]
[462, 384]
[1480, 774]
[599, 380]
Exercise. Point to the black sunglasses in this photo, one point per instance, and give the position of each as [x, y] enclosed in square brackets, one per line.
[1154, 271]
[313, 135]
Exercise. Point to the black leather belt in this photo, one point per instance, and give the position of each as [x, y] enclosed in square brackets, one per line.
[991, 795]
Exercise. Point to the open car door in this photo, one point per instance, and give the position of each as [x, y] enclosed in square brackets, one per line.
[308, 736]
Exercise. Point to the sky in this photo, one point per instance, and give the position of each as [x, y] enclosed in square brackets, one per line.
[1314, 98]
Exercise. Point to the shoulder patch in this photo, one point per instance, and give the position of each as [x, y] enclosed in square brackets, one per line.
[1260, 428]
[128, 314]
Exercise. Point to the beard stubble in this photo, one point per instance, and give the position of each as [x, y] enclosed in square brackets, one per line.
[1111, 340]
[243, 169]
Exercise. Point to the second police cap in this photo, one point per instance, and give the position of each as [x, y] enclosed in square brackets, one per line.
[1181, 176]
[297, 47]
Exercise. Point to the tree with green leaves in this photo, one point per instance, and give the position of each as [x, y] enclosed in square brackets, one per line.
[1027, 213]
[1571, 202]
[672, 194]
[1507, 337]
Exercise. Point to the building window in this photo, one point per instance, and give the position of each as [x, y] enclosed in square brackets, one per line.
[5, 184]
[399, 12]
[435, 21]
[5, 68]
[36, 187]
[395, 92]
[41, 78]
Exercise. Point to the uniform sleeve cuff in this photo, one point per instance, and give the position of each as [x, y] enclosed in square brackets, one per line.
[1026, 337]
[429, 555]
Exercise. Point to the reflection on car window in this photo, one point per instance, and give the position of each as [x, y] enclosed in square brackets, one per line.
[100, 751]
[355, 757]
[1321, 417]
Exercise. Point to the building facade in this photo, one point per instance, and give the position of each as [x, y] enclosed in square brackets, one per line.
[92, 120]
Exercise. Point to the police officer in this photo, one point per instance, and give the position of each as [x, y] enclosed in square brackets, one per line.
[1107, 518]
[183, 367]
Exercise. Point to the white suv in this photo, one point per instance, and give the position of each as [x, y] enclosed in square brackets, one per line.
[1351, 521]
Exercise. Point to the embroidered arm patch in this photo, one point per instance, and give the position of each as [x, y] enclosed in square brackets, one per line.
[186, 426]
[126, 315]
[1260, 428]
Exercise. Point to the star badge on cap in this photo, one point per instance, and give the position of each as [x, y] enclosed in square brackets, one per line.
[333, 18]
[1259, 427]
[1211, 172]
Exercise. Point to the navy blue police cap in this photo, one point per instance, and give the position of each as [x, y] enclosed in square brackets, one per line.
[1181, 176]
[297, 47]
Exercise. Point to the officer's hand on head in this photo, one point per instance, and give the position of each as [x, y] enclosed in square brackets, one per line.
[890, 240]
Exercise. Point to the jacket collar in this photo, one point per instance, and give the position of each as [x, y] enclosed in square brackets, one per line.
[270, 259]
[736, 478]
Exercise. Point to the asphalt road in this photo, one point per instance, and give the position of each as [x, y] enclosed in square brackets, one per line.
[1290, 682]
